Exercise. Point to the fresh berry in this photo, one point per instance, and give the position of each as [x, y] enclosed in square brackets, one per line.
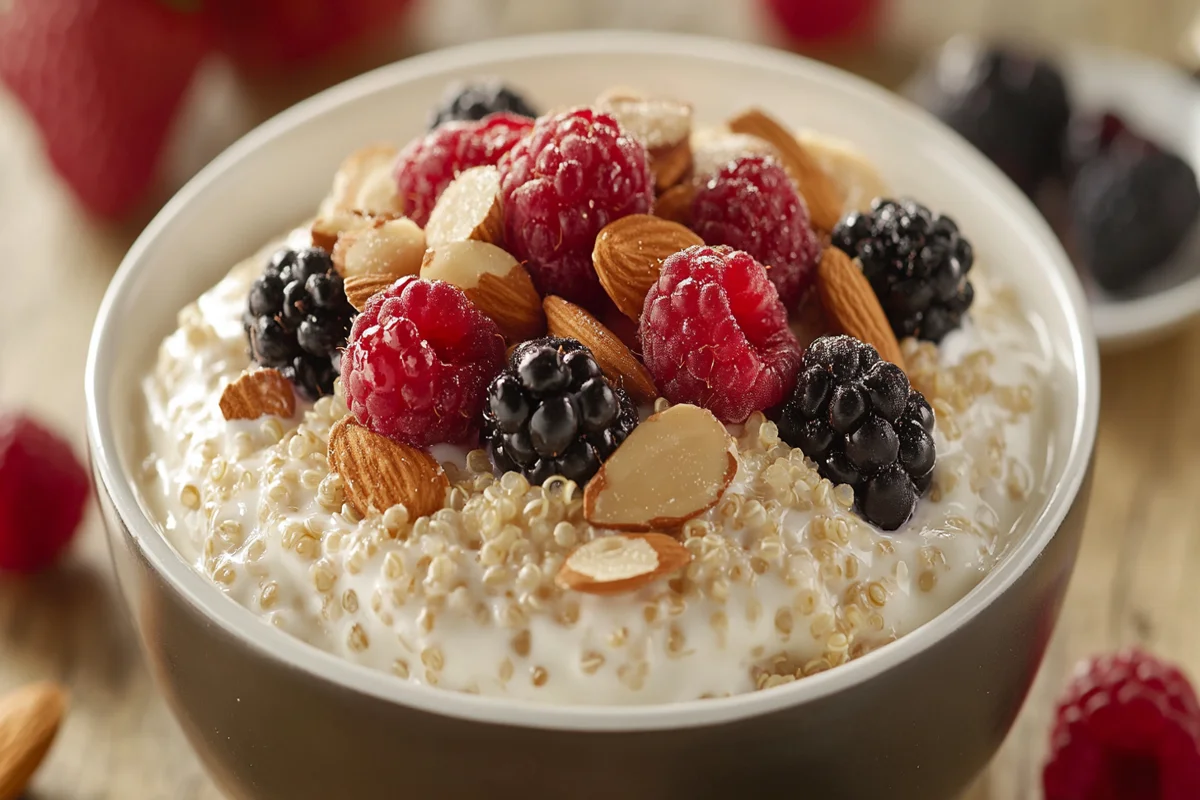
[43, 491]
[297, 318]
[1091, 136]
[752, 205]
[917, 263]
[820, 20]
[102, 79]
[1011, 106]
[553, 413]
[573, 175]
[419, 361]
[428, 163]
[714, 333]
[857, 417]
[1131, 211]
[471, 101]
[1127, 726]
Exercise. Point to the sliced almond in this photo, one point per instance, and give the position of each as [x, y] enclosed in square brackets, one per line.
[824, 199]
[361, 288]
[671, 468]
[629, 253]
[387, 247]
[379, 473]
[856, 177]
[256, 393]
[618, 363]
[363, 186]
[713, 148]
[494, 281]
[663, 126]
[29, 721]
[852, 307]
[469, 208]
[675, 204]
[622, 562]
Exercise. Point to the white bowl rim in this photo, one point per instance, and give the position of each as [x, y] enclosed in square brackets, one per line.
[241, 624]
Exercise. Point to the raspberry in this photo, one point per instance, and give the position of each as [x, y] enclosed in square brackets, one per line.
[752, 205]
[714, 333]
[419, 361]
[428, 163]
[1127, 726]
[573, 175]
[43, 490]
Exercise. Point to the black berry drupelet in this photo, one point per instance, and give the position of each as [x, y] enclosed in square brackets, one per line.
[553, 413]
[917, 263]
[858, 418]
[474, 101]
[297, 319]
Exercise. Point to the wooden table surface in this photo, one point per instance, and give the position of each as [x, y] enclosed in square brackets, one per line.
[1133, 584]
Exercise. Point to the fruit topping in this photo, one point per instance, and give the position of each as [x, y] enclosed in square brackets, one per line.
[419, 361]
[623, 562]
[575, 173]
[617, 362]
[629, 254]
[1094, 135]
[379, 473]
[297, 317]
[714, 333]
[751, 204]
[916, 262]
[551, 412]
[257, 392]
[494, 282]
[474, 101]
[857, 417]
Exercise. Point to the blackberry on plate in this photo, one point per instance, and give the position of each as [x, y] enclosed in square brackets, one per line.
[551, 412]
[857, 416]
[917, 263]
[474, 101]
[297, 319]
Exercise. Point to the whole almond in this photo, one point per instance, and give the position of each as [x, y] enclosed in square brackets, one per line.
[618, 363]
[622, 562]
[361, 288]
[629, 253]
[392, 247]
[29, 720]
[469, 208]
[379, 473]
[824, 199]
[256, 393]
[675, 204]
[494, 281]
[851, 305]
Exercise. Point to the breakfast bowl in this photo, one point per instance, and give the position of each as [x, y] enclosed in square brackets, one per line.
[273, 716]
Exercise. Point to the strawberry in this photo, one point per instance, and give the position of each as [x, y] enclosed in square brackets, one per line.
[103, 79]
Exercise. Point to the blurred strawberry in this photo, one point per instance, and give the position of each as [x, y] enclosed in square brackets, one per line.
[811, 21]
[103, 79]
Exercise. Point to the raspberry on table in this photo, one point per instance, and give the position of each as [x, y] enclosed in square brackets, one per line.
[714, 333]
[476, 100]
[551, 412]
[575, 173]
[419, 361]
[752, 205]
[427, 164]
[917, 263]
[1127, 726]
[860, 420]
[297, 318]
[43, 492]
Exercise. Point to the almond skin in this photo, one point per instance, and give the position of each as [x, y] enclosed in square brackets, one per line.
[379, 473]
[494, 281]
[618, 363]
[851, 304]
[361, 288]
[675, 204]
[623, 562]
[29, 721]
[629, 253]
[257, 393]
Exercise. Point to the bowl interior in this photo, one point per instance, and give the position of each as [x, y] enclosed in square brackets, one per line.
[276, 175]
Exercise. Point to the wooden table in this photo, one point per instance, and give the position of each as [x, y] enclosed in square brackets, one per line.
[1139, 558]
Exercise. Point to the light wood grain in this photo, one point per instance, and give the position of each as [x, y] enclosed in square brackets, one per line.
[1140, 556]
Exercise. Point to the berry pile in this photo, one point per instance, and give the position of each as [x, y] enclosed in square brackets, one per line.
[552, 412]
[474, 101]
[917, 263]
[297, 318]
[858, 418]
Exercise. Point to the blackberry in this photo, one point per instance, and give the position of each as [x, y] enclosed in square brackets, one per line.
[1092, 136]
[1132, 210]
[297, 319]
[857, 417]
[474, 101]
[916, 262]
[551, 412]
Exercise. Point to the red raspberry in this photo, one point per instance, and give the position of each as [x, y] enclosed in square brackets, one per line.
[1127, 726]
[43, 490]
[752, 205]
[419, 361]
[714, 333]
[573, 175]
[428, 163]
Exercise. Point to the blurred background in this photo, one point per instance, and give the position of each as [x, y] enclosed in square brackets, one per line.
[108, 106]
